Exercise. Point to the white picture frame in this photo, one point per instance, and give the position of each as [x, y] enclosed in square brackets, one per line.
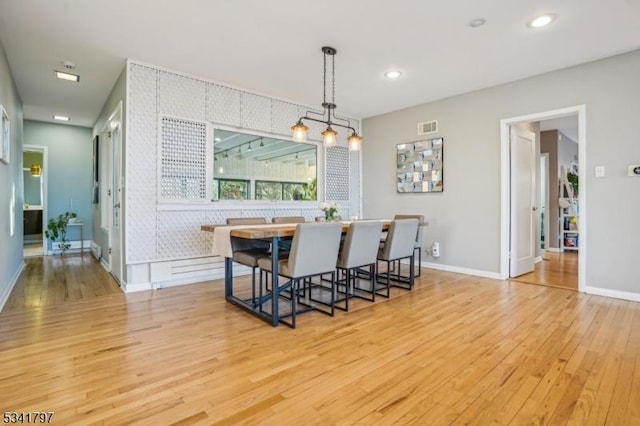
[5, 136]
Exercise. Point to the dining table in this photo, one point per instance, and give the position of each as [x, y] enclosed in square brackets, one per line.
[222, 235]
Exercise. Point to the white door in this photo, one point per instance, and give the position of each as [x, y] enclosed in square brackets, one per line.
[115, 231]
[523, 207]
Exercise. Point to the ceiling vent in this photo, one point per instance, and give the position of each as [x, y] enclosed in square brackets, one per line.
[428, 127]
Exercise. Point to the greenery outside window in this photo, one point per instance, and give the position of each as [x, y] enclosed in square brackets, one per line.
[269, 190]
[266, 190]
[230, 189]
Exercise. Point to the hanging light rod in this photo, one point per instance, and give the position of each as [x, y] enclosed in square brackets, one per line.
[287, 154]
[329, 116]
[239, 146]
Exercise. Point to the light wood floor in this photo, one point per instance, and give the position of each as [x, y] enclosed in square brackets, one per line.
[52, 280]
[31, 250]
[556, 270]
[456, 350]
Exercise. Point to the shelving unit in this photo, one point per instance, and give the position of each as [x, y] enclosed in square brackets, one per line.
[570, 231]
[569, 216]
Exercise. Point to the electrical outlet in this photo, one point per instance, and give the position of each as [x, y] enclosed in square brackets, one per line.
[634, 170]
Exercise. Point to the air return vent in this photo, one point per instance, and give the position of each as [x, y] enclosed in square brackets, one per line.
[428, 127]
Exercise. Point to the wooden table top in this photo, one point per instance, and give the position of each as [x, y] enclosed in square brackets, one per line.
[273, 230]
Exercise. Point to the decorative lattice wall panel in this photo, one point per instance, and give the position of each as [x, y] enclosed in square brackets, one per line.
[223, 105]
[181, 96]
[179, 234]
[256, 112]
[337, 174]
[188, 104]
[184, 157]
[141, 164]
[281, 113]
[354, 182]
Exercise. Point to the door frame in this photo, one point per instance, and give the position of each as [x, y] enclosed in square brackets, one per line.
[45, 190]
[114, 120]
[544, 182]
[505, 199]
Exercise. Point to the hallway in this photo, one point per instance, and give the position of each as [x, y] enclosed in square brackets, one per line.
[51, 280]
[558, 270]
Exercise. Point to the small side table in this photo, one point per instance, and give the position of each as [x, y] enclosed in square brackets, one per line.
[81, 225]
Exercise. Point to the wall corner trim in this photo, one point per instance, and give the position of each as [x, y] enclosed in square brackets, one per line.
[7, 292]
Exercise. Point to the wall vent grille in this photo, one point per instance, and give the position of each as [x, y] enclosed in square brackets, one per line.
[428, 127]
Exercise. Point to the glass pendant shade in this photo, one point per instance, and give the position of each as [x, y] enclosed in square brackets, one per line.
[329, 137]
[36, 170]
[299, 132]
[355, 142]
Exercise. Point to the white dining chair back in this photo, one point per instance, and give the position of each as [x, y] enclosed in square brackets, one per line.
[360, 244]
[400, 240]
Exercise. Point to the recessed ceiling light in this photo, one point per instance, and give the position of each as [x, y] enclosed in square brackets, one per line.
[66, 76]
[217, 139]
[61, 118]
[477, 22]
[541, 21]
[393, 75]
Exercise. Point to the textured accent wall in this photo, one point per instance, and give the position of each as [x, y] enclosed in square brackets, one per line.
[166, 120]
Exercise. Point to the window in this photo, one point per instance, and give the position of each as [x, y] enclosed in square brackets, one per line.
[230, 189]
[275, 169]
[268, 190]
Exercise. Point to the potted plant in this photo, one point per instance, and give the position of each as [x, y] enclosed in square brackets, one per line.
[57, 228]
[296, 194]
[573, 180]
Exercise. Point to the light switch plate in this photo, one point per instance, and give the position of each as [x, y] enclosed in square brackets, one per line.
[599, 171]
[634, 170]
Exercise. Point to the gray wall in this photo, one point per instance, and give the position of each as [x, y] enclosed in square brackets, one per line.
[549, 144]
[11, 258]
[465, 218]
[70, 167]
[118, 94]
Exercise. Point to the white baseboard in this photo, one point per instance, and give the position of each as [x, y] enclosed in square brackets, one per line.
[616, 294]
[105, 265]
[74, 247]
[553, 250]
[460, 270]
[133, 288]
[538, 259]
[191, 280]
[7, 292]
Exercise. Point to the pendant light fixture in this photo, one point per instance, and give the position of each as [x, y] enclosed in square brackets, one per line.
[328, 117]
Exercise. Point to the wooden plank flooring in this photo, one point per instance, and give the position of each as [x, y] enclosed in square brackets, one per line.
[556, 270]
[456, 350]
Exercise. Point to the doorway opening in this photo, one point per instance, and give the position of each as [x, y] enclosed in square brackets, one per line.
[34, 209]
[112, 194]
[559, 221]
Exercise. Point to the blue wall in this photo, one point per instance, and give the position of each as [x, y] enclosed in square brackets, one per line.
[11, 258]
[70, 171]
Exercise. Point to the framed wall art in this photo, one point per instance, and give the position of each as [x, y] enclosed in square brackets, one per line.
[420, 166]
[5, 136]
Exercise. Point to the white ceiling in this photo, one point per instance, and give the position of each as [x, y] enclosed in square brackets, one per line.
[567, 125]
[273, 47]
